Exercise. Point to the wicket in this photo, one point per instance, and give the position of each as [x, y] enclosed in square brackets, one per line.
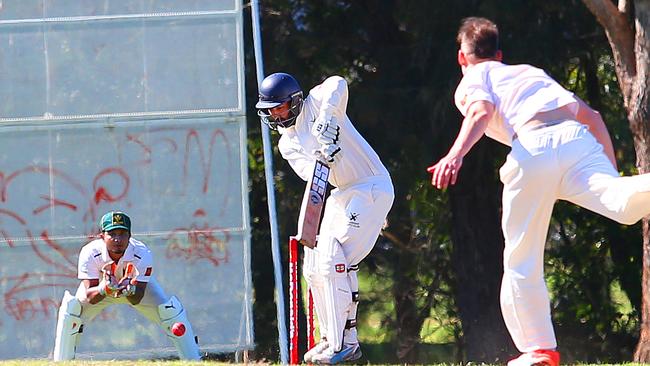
[294, 309]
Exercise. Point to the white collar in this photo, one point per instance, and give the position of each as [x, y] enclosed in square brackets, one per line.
[127, 256]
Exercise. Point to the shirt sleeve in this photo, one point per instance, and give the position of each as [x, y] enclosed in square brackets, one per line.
[294, 154]
[144, 265]
[86, 268]
[472, 88]
[333, 96]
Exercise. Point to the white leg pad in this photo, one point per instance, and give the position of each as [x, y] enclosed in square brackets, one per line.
[331, 280]
[317, 292]
[68, 327]
[309, 272]
[172, 312]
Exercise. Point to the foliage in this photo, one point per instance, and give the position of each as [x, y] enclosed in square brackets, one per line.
[399, 60]
[36, 362]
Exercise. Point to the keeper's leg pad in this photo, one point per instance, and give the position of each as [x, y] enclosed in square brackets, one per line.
[68, 328]
[173, 319]
[333, 287]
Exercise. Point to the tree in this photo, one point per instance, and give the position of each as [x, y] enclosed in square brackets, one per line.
[441, 250]
[627, 27]
[392, 54]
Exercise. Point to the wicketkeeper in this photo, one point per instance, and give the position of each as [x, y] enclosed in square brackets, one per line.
[317, 127]
[117, 269]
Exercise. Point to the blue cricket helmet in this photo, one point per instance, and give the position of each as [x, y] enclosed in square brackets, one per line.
[277, 89]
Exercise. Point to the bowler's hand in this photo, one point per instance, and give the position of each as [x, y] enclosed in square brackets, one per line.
[445, 171]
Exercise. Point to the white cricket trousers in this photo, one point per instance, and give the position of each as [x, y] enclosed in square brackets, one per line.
[353, 217]
[562, 161]
[352, 221]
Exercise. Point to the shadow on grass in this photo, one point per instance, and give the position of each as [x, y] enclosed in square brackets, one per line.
[386, 353]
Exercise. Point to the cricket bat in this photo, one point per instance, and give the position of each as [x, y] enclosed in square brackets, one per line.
[312, 205]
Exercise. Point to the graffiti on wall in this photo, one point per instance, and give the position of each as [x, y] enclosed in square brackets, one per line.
[182, 186]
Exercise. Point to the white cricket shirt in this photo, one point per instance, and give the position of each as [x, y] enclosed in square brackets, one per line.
[93, 256]
[297, 145]
[517, 91]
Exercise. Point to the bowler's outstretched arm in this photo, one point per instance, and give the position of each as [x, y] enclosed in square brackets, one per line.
[445, 171]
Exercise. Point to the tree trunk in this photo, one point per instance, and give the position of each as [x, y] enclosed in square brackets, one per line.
[411, 306]
[630, 44]
[638, 117]
[407, 313]
[642, 352]
[638, 113]
[478, 257]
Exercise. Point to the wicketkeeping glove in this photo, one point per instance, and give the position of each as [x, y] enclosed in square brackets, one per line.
[129, 290]
[127, 284]
[108, 286]
[327, 132]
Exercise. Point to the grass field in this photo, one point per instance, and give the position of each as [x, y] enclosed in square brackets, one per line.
[111, 363]
[176, 363]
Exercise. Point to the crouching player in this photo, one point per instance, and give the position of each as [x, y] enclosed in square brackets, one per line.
[117, 269]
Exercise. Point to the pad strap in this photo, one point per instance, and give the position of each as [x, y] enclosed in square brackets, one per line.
[351, 323]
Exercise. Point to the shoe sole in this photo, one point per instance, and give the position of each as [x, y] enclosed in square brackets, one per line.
[342, 358]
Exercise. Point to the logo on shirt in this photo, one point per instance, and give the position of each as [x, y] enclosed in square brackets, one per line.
[148, 271]
[352, 220]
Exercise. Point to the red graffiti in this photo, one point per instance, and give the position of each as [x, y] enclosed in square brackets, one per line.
[102, 193]
[148, 150]
[193, 244]
[60, 200]
[53, 202]
[206, 164]
[22, 300]
[5, 181]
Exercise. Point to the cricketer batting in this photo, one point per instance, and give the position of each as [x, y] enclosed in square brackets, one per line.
[317, 127]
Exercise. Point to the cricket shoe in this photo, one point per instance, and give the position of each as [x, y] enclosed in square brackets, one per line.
[542, 357]
[349, 352]
[319, 348]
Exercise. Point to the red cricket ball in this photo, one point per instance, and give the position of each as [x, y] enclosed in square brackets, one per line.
[178, 329]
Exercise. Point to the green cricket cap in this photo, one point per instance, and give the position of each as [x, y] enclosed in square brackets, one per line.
[115, 220]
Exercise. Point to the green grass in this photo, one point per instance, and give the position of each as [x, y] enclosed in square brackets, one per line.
[98, 363]
[435, 347]
[183, 363]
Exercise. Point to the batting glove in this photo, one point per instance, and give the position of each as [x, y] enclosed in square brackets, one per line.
[326, 131]
[330, 153]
